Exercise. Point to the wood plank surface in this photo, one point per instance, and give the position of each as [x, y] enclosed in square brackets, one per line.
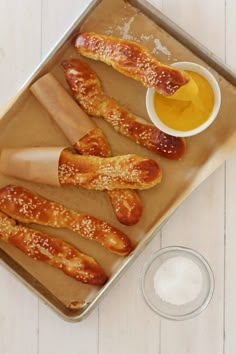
[20, 44]
[61, 337]
[205, 222]
[18, 316]
[230, 211]
[126, 324]
[199, 222]
[20, 29]
[204, 20]
[56, 19]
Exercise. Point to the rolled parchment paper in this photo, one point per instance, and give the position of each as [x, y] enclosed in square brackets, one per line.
[32, 164]
[66, 113]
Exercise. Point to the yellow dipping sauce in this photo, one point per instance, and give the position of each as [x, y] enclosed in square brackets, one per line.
[186, 115]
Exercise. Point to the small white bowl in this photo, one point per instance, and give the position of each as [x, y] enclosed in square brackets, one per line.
[216, 89]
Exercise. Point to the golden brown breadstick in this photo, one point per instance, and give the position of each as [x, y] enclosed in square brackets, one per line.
[93, 172]
[64, 167]
[125, 202]
[93, 143]
[52, 251]
[27, 207]
[132, 60]
[86, 138]
[82, 79]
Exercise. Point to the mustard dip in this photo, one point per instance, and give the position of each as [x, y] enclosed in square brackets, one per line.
[186, 115]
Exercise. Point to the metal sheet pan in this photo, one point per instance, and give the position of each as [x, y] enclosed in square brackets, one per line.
[188, 42]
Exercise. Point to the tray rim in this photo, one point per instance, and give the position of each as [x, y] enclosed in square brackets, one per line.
[188, 41]
[62, 39]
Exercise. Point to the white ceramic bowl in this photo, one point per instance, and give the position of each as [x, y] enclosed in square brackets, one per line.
[216, 89]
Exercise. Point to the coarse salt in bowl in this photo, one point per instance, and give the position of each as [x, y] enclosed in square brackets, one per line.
[177, 283]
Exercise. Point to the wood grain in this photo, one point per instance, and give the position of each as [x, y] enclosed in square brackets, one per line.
[20, 33]
[230, 211]
[126, 324]
[123, 323]
[18, 306]
[199, 222]
[57, 18]
[60, 337]
[18, 316]
[195, 227]
[204, 20]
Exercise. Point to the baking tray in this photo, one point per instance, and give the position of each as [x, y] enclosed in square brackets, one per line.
[23, 123]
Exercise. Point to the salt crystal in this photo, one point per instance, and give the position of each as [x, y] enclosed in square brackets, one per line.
[124, 30]
[178, 281]
[159, 47]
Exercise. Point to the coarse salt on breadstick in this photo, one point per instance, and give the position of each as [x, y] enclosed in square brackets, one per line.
[52, 251]
[86, 138]
[27, 207]
[131, 59]
[95, 102]
[71, 169]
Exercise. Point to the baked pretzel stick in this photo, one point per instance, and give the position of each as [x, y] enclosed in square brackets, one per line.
[125, 202]
[27, 207]
[88, 91]
[132, 60]
[52, 251]
[64, 167]
[93, 172]
[86, 138]
[127, 205]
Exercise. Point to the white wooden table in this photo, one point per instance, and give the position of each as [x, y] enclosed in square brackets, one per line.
[205, 222]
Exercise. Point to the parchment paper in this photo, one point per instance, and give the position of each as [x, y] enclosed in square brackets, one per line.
[72, 120]
[27, 124]
[39, 165]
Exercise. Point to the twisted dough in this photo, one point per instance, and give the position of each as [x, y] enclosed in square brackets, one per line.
[27, 207]
[132, 60]
[125, 202]
[85, 137]
[88, 91]
[93, 172]
[52, 251]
